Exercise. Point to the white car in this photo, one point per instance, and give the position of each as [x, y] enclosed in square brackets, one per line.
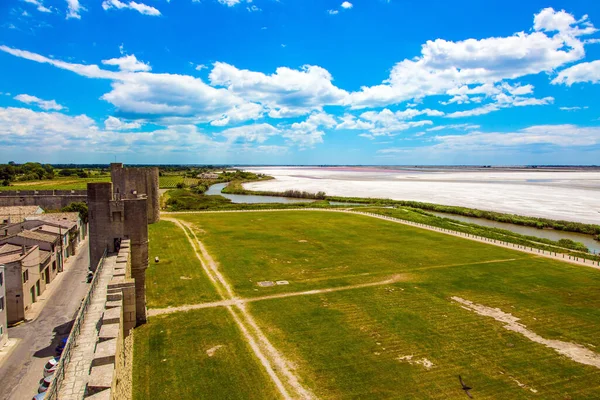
[45, 383]
[39, 396]
[50, 366]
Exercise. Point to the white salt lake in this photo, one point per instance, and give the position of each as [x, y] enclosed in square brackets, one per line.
[572, 195]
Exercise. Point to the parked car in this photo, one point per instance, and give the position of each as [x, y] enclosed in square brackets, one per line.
[45, 383]
[39, 396]
[50, 366]
[61, 346]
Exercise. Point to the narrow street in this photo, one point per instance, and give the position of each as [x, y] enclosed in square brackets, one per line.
[21, 372]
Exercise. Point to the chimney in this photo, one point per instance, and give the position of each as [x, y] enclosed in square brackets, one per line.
[24, 249]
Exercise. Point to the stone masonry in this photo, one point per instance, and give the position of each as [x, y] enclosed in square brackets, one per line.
[113, 219]
[130, 182]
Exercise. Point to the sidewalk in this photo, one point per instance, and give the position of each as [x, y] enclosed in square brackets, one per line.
[36, 308]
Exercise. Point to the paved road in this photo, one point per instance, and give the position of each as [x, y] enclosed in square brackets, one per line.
[20, 374]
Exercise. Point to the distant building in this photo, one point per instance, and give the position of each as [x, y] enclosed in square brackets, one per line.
[15, 214]
[3, 316]
[25, 276]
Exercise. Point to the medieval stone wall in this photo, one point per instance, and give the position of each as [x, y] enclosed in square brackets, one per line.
[130, 182]
[47, 199]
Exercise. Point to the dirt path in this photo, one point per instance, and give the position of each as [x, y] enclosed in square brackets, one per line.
[225, 303]
[574, 351]
[493, 242]
[271, 359]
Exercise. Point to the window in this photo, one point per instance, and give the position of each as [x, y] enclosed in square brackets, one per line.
[53, 265]
[1, 303]
[1, 278]
[1, 330]
[25, 275]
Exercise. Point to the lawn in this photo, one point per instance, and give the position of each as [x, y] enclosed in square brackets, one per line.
[178, 278]
[355, 343]
[318, 249]
[177, 357]
[62, 183]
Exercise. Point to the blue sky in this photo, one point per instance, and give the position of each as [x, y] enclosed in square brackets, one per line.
[300, 81]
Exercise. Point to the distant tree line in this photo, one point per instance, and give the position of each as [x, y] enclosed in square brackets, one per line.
[30, 171]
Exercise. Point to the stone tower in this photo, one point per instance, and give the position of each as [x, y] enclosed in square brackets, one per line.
[112, 218]
[130, 182]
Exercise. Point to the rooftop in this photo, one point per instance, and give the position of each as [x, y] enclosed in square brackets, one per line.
[64, 219]
[19, 213]
[42, 237]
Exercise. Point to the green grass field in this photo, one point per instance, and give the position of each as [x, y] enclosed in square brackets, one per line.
[171, 181]
[354, 343]
[62, 183]
[177, 278]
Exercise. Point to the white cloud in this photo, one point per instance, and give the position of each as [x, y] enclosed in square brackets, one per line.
[346, 5]
[39, 5]
[128, 63]
[48, 132]
[132, 5]
[573, 108]
[200, 67]
[253, 8]
[161, 95]
[583, 72]
[74, 9]
[453, 127]
[333, 12]
[115, 124]
[445, 65]
[309, 133]
[287, 91]
[502, 101]
[557, 135]
[250, 133]
[388, 123]
[230, 3]
[560, 136]
[350, 122]
[43, 104]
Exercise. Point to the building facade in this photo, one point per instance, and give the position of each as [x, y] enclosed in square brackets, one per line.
[23, 279]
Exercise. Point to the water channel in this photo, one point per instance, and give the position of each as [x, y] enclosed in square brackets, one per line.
[588, 241]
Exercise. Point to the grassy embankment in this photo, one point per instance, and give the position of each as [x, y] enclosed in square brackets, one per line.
[348, 344]
[540, 223]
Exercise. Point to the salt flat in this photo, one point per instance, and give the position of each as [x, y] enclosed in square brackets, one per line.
[569, 195]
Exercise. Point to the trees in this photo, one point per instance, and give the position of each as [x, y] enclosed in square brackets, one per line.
[79, 207]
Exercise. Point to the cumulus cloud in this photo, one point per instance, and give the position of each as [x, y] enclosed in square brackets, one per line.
[157, 95]
[250, 133]
[288, 92]
[115, 124]
[43, 104]
[74, 9]
[132, 5]
[346, 5]
[310, 132]
[583, 72]
[444, 65]
[128, 63]
[333, 12]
